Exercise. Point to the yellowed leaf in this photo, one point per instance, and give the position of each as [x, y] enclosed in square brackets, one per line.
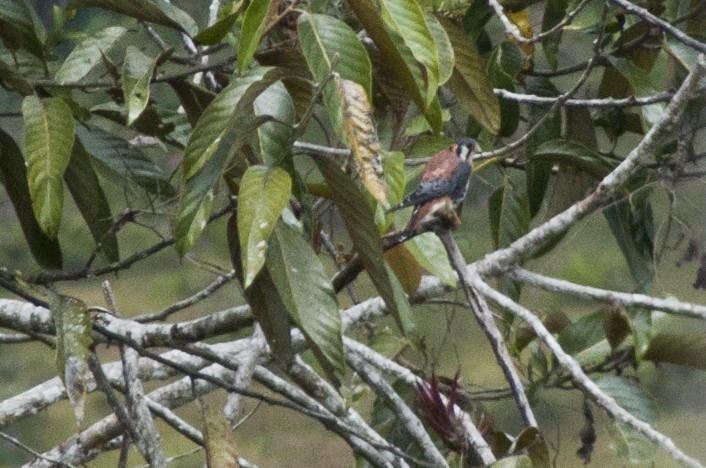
[406, 267]
[522, 21]
[362, 137]
[221, 451]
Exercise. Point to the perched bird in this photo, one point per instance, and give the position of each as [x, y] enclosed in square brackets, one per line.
[442, 187]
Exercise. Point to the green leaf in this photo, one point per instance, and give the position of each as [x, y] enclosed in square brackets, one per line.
[20, 27]
[642, 85]
[360, 223]
[630, 221]
[264, 193]
[215, 33]
[220, 115]
[91, 201]
[443, 46]
[509, 214]
[45, 250]
[502, 67]
[308, 295]
[13, 80]
[123, 162]
[276, 136]
[73, 335]
[254, 22]
[137, 74]
[330, 45]
[573, 153]
[194, 99]
[554, 12]
[531, 441]
[430, 253]
[470, 82]
[407, 18]
[538, 172]
[395, 179]
[632, 397]
[583, 333]
[88, 54]
[152, 11]
[397, 59]
[49, 137]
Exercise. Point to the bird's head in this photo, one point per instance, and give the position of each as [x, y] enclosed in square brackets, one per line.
[466, 148]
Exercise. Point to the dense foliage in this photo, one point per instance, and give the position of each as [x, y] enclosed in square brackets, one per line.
[302, 123]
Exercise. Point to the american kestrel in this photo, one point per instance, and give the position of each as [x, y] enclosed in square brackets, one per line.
[442, 187]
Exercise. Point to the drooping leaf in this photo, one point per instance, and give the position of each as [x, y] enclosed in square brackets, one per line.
[330, 45]
[360, 223]
[678, 347]
[219, 439]
[582, 333]
[137, 73]
[395, 179]
[45, 250]
[616, 325]
[502, 67]
[405, 266]
[642, 85]
[194, 99]
[407, 18]
[264, 193]
[256, 17]
[397, 59]
[91, 201]
[21, 28]
[264, 300]
[152, 11]
[229, 105]
[538, 172]
[531, 441]
[307, 293]
[362, 137]
[73, 333]
[630, 221]
[470, 82]
[430, 253]
[631, 444]
[444, 47]
[573, 153]
[276, 136]
[125, 163]
[88, 54]
[49, 137]
[554, 12]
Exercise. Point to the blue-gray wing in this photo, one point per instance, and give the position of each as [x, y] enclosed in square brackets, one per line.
[454, 187]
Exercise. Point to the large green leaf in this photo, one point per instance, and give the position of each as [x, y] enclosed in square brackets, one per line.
[49, 137]
[73, 335]
[554, 12]
[276, 136]
[254, 22]
[573, 153]
[20, 28]
[631, 444]
[502, 67]
[88, 54]
[630, 221]
[397, 59]
[360, 222]
[91, 201]
[152, 11]
[538, 172]
[444, 47]
[330, 45]
[229, 105]
[45, 250]
[264, 193]
[407, 18]
[509, 220]
[430, 253]
[306, 290]
[122, 162]
[137, 73]
[470, 82]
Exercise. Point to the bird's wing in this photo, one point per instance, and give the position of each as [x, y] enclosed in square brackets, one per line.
[425, 191]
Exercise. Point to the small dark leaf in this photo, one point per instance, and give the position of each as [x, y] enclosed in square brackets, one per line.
[193, 98]
[616, 324]
[531, 442]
